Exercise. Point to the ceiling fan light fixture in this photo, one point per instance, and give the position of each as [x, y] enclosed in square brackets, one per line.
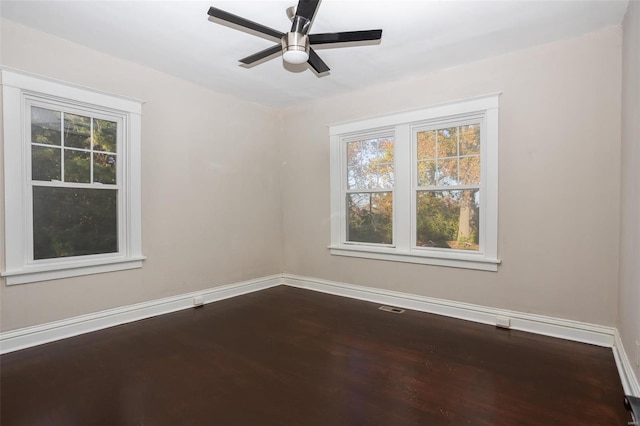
[295, 56]
[295, 48]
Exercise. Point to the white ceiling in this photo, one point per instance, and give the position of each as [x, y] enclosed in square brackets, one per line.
[418, 36]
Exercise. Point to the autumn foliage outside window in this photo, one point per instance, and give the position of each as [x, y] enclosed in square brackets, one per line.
[448, 187]
[370, 183]
[418, 186]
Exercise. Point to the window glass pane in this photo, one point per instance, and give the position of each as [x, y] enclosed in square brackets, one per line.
[74, 222]
[370, 164]
[449, 156]
[470, 139]
[426, 145]
[370, 217]
[45, 163]
[448, 142]
[45, 126]
[448, 219]
[470, 170]
[447, 173]
[77, 166]
[104, 135]
[426, 172]
[77, 131]
[104, 168]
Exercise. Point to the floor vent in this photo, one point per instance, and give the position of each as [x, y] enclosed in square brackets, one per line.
[391, 309]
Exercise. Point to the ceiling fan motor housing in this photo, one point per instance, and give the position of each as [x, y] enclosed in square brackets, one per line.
[295, 45]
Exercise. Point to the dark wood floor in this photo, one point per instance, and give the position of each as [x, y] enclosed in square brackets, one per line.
[286, 356]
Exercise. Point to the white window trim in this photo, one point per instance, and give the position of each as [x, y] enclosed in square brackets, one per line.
[378, 134]
[485, 108]
[17, 88]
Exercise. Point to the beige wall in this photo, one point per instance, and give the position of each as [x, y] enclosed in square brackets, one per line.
[629, 316]
[210, 182]
[559, 181]
[205, 155]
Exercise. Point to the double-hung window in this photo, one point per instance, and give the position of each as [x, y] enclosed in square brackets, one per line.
[369, 191]
[72, 181]
[418, 186]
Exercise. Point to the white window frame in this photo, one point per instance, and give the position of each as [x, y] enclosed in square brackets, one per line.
[404, 126]
[20, 90]
[380, 134]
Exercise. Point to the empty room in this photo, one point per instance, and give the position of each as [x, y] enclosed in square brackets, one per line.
[334, 212]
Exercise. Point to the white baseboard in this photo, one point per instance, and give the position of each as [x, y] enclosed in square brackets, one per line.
[555, 327]
[31, 336]
[539, 324]
[625, 368]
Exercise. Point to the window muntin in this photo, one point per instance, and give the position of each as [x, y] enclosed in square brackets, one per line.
[74, 182]
[72, 179]
[74, 148]
[445, 169]
[369, 189]
[448, 157]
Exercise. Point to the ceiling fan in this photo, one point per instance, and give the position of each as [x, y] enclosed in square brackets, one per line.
[296, 44]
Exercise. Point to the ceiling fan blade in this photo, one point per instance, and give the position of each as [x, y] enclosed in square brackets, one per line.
[317, 63]
[307, 8]
[262, 54]
[238, 20]
[345, 37]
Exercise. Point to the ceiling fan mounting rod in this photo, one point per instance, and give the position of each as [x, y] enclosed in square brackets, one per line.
[300, 24]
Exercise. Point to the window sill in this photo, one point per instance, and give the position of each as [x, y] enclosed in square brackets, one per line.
[451, 260]
[35, 273]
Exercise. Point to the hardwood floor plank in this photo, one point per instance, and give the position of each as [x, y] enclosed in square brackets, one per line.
[287, 356]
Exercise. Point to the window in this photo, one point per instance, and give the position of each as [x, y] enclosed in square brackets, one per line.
[418, 186]
[369, 190]
[72, 180]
